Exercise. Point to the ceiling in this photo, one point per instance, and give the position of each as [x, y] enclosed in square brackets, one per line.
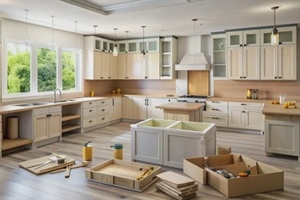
[161, 17]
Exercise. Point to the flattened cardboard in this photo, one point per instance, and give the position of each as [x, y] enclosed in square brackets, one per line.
[263, 177]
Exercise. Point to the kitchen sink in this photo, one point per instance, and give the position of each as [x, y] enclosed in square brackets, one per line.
[33, 104]
[63, 100]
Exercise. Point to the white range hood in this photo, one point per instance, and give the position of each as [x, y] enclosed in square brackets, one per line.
[193, 62]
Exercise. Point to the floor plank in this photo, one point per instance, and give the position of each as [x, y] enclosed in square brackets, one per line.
[17, 183]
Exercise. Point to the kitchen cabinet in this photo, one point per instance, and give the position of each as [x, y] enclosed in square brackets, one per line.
[130, 66]
[168, 57]
[153, 112]
[150, 64]
[127, 107]
[278, 62]
[216, 112]
[282, 136]
[46, 123]
[116, 108]
[287, 35]
[71, 117]
[218, 58]
[104, 111]
[243, 55]
[245, 115]
[139, 108]
[89, 114]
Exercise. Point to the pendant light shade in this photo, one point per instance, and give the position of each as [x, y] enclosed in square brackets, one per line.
[115, 50]
[274, 34]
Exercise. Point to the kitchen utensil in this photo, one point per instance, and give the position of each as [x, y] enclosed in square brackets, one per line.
[83, 164]
[51, 160]
[68, 171]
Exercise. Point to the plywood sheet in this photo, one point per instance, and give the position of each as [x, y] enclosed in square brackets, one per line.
[198, 82]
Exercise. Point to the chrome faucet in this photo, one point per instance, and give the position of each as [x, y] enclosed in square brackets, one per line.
[54, 95]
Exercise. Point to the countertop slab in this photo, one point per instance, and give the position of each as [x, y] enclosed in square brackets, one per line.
[181, 106]
[231, 99]
[278, 109]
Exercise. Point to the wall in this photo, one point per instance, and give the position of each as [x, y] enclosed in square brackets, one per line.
[267, 89]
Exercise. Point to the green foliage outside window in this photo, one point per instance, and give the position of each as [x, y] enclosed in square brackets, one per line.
[68, 70]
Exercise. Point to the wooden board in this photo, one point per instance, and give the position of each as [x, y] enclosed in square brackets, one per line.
[31, 164]
[174, 194]
[176, 179]
[198, 82]
[123, 174]
[13, 143]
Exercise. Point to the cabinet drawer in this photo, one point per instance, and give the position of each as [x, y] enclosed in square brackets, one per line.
[218, 120]
[245, 105]
[55, 109]
[217, 103]
[90, 104]
[92, 121]
[216, 110]
[103, 119]
[104, 110]
[40, 111]
[89, 112]
[104, 102]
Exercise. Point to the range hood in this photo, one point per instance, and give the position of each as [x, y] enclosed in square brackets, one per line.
[193, 62]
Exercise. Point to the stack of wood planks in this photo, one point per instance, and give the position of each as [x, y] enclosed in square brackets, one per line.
[176, 185]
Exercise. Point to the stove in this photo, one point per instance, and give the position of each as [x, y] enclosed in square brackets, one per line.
[194, 99]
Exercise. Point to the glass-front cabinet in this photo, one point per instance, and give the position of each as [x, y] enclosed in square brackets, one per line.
[219, 56]
[287, 35]
[243, 38]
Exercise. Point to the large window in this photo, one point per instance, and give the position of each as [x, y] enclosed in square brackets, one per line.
[31, 70]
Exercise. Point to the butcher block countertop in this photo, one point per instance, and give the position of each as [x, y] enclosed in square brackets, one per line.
[183, 106]
[278, 109]
[232, 99]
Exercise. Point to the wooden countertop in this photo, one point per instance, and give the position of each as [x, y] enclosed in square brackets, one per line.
[238, 100]
[277, 109]
[181, 106]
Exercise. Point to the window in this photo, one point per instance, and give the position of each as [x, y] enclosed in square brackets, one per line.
[18, 68]
[31, 70]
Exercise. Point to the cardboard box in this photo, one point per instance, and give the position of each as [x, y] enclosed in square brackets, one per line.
[262, 178]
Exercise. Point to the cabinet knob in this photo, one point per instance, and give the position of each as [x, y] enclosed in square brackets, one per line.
[103, 110]
[49, 115]
[90, 110]
[243, 104]
[90, 121]
[245, 45]
[215, 102]
[215, 109]
[101, 77]
[241, 45]
[215, 118]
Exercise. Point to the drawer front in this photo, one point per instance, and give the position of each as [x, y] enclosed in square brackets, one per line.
[92, 121]
[40, 111]
[218, 120]
[245, 105]
[89, 112]
[104, 102]
[216, 110]
[104, 110]
[55, 109]
[90, 104]
[217, 103]
[103, 119]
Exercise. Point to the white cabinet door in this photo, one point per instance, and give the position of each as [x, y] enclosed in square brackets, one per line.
[236, 118]
[127, 107]
[122, 66]
[135, 70]
[269, 62]
[287, 62]
[97, 65]
[153, 66]
[139, 109]
[282, 137]
[40, 128]
[153, 112]
[113, 67]
[235, 61]
[54, 125]
[251, 63]
[116, 108]
[254, 119]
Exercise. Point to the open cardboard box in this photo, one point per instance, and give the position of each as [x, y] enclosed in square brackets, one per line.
[262, 178]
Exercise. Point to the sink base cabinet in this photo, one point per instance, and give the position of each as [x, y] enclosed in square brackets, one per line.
[282, 137]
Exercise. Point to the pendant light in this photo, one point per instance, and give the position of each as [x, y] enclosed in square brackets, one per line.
[275, 34]
[75, 32]
[143, 51]
[194, 20]
[115, 50]
[52, 26]
[26, 27]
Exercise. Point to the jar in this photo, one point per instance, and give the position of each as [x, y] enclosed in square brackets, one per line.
[92, 93]
[87, 151]
[254, 93]
[249, 93]
[118, 151]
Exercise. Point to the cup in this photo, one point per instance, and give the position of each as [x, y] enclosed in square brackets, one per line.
[281, 99]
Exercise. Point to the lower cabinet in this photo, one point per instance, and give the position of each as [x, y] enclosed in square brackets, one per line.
[46, 123]
[282, 137]
[116, 104]
[216, 112]
[104, 111]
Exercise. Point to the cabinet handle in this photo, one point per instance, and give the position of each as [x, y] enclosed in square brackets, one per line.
[241, 77]
[279, 77]
[49, 115]
[101, 77]
[90, 121]
[243, 111]
[215, 102]
[103, 118]
[280, 43]
[245, 45]
[169, 100]
[146, 77]
[102, 102]
[90, 103]
[243, 104]
[103, 110]
[215, 118]
[241, 45]
[109, 77]
[90, 110]
[113, 102]
[215, 109]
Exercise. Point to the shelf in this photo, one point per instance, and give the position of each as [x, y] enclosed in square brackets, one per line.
[166, 66]
[219, 51]
[69, 117]
[166, 53]
[69, 127]
[13, 143]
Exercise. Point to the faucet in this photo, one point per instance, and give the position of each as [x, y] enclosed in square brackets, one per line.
[54, 95]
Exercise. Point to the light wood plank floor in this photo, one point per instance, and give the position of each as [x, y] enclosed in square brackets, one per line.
[19, 184]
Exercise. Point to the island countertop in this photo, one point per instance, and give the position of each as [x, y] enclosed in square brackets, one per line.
[182, 106]
[278, 109]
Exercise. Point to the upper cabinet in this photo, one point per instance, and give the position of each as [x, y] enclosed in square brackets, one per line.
[279, 62]
[219, 56]
[168, 57]
[243, 55]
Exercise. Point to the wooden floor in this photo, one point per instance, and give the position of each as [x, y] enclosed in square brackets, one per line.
[19, 184]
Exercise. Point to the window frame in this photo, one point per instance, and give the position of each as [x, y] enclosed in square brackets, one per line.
[34, 94]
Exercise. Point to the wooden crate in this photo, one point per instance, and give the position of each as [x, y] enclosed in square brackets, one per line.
[123, 174]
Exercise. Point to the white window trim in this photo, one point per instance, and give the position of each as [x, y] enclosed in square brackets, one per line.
[34, 94]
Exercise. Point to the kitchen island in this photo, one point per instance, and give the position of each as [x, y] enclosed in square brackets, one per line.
[282, 130]
[182, 111]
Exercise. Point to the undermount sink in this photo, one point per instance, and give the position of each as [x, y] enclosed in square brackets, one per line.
[33, 104]
[63, 100]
